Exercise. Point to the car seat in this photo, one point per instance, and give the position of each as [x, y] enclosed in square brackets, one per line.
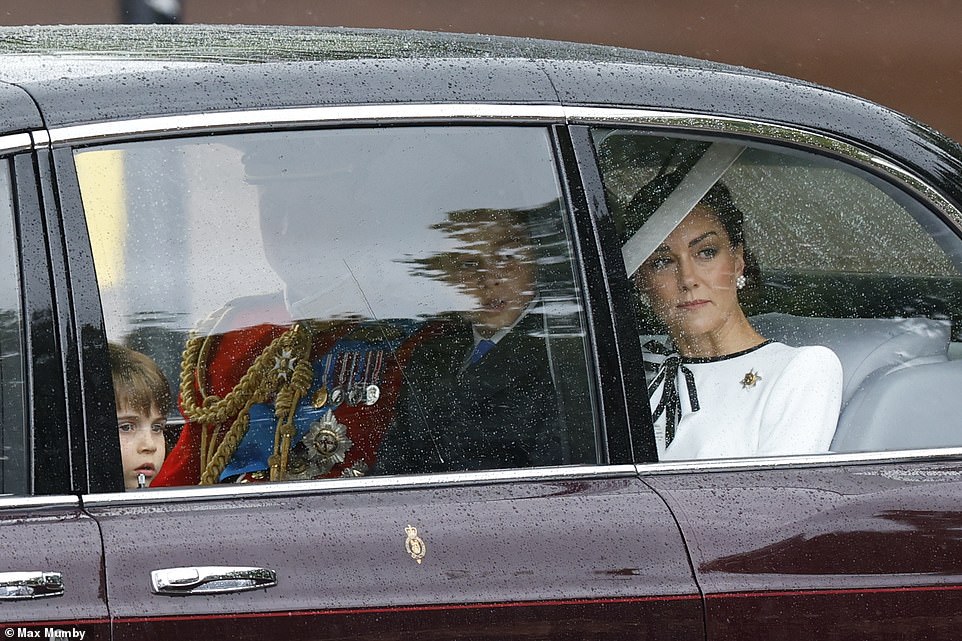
[893, 371]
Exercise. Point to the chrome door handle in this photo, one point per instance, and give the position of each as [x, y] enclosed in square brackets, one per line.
[210, 580]
[30, 585]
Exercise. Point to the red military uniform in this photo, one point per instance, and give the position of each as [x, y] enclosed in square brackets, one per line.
[330, 388]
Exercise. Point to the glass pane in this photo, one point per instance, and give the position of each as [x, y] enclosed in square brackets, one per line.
[810, 253]
[13, 462]
[327, 281]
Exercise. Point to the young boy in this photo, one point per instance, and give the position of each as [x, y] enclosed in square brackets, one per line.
[142, 397]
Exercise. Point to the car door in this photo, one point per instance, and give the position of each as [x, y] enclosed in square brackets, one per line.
[867, 549]
[51, 567]
[366, 253]
[52, 577]
[480, 556]
[862, 542]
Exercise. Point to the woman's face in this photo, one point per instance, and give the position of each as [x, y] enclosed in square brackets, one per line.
[690, 279]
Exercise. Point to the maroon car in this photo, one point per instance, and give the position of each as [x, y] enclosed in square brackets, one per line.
[385, 277]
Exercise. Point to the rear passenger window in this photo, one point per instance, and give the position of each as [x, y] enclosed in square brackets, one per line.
[833, 257]
[343, 303]
[13, 459]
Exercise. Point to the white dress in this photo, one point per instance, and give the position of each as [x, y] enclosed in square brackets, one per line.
[769, 400]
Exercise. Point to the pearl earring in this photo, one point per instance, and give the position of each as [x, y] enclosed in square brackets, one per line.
[740, 282]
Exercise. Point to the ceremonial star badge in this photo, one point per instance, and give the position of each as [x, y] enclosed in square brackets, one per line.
[327, 443]
[284, 364]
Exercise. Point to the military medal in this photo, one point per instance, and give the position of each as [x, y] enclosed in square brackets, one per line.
[320, 398]
[321, 395]
[355, 394]
[337, 394]
[327, 443]
[750, 379]
[365, 390]
[356, 391]
[284, 364]
[372, 393]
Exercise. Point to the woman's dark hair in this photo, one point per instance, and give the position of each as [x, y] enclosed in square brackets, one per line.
[718, 201]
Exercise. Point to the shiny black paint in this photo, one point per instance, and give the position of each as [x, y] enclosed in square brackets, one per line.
[64, 314]
[745, 94]
[47, 421]
[272, 85]
[623, 365]
[617, 445]
[19, 111]
[365, 67]
[96, 437]
[239, 44]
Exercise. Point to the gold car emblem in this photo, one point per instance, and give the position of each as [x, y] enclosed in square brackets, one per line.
[414, 544]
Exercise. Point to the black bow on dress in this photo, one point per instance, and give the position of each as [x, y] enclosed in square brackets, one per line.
[670, 403]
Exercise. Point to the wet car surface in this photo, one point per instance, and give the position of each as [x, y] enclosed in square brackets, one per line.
[301, 226]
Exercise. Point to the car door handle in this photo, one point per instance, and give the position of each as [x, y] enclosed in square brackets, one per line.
[30, 585]
[210, 580]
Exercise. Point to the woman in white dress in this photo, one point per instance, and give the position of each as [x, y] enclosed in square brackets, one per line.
[718, 388]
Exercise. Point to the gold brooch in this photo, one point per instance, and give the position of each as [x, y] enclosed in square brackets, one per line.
[750, 379]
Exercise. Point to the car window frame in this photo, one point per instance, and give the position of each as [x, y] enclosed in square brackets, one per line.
[18, 435]
[904, 180]
[610, 419]
[51, 465]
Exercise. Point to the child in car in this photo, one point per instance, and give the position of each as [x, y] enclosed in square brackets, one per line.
[142, 398]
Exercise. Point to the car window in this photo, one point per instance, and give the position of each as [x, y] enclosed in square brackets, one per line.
[346, 302]
[13, 467]
[841, 259]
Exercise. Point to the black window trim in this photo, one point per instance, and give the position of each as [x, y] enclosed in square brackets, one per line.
[48, 456]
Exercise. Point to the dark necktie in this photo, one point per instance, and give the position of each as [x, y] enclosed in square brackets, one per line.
[670, 403]
[483, 347]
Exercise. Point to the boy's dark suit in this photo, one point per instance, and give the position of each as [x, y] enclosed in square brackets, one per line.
[501, 412]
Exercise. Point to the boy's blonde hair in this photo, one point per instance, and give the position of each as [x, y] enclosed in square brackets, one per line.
[138, 382]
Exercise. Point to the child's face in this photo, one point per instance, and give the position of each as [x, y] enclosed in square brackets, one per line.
[142, 446]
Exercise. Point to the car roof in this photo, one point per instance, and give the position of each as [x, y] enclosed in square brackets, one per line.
[245, 44]
[88, 73]
[95, 73]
